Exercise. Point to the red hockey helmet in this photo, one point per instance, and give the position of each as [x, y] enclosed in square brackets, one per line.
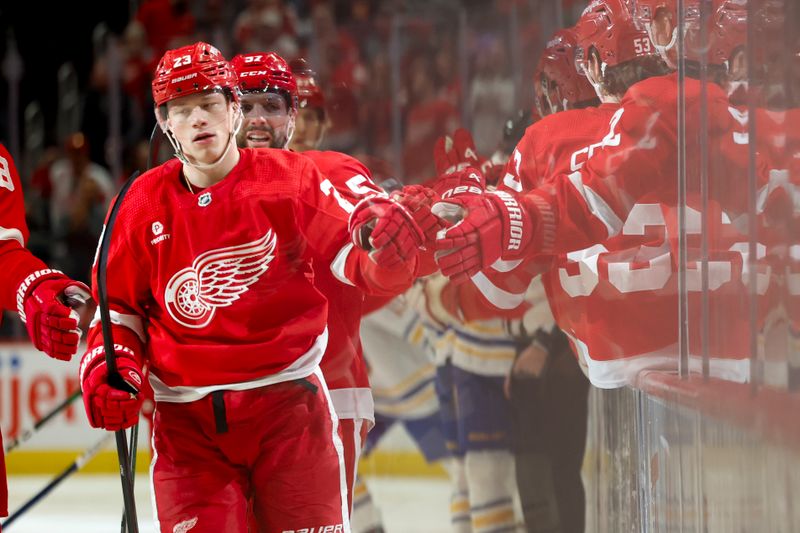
[608, 27]
[191, 69]
[539, 89]
[309, 93]
[771, 31]
[648, 10]
[770, 17]
[645, 11]
[727, 31]
[261, 72]
[558, 66]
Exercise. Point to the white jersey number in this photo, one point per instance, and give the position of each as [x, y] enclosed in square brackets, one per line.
[5, 175]
[510, 180]
[659, 268]
[357, 186]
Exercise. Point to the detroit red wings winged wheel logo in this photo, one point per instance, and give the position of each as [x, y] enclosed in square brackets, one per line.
[217, 278]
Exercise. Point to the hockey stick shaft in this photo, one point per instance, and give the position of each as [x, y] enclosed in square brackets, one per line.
[76, 465]
[155, 146]
[152, 157]
[114, 379]
[132, 446]
[26, 434]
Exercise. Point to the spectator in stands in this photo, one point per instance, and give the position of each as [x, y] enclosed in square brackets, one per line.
[446, 71]
[80, 192]
[325, 33]
[429, 117]
[491, 94]
[266, 25]
[166, 23]
[37, 205]
[376, 109]
[347, 78]
[214, 22]
[137, 105]
[376, 41]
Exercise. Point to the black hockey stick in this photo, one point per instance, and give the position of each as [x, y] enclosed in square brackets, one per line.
[114, 379]
[152, 158]
[31, 431]
[156, 139]
[134, 440]
[76, 465]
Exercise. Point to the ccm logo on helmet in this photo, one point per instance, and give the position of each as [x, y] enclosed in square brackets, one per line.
[184, 78]
[254, 73]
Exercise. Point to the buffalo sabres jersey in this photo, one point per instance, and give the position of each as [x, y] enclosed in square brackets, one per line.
[401, 371]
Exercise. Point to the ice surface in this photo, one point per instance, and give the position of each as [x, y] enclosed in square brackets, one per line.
[93, 504]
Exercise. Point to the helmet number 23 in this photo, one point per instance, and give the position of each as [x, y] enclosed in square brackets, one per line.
[182, 61]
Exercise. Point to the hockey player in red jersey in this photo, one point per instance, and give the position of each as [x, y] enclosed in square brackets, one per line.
[651, 136]
[312, 117]
[624, 192]
[264, 77]
[563, 86]
[559, 142]
[39, 294]
[210, 288]
[612, 54]
[550, 147]
[548, 449]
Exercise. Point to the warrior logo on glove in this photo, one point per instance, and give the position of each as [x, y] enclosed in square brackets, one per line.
[494, 226]
[217, 279]
[516, 228]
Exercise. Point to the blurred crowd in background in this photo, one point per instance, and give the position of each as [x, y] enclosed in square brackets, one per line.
[396, 76]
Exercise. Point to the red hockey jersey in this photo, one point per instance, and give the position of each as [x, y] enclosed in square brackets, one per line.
[779, 199]
[555, 145]
[590, 205]
[216, 288]
[343, 365]
[16, 262]
[612, 226]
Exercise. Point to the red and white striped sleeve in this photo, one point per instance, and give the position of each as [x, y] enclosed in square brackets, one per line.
[20, 267]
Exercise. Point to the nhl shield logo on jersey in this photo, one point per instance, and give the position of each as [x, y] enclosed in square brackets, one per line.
[217, 278]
